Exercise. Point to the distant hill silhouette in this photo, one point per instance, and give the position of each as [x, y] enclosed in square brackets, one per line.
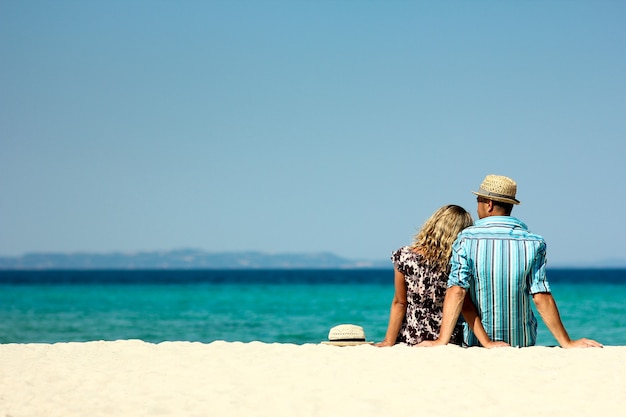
[198, 259]
[184, 259]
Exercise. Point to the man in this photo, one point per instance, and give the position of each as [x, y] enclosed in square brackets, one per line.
[501, 266]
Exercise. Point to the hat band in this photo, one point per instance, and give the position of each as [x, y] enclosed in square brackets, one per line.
[347, 340]
[497, 195]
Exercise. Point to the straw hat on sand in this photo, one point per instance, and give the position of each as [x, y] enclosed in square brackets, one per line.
[346, 335]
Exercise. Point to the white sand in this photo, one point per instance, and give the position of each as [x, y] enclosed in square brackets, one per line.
[133, 378]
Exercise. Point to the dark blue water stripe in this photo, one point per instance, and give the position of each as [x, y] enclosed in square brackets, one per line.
[278, 276]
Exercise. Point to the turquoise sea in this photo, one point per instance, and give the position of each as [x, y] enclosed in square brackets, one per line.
[285, 306]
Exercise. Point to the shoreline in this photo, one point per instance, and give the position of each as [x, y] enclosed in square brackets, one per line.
[136, 378]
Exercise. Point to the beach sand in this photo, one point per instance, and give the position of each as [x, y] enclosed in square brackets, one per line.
[134, 378]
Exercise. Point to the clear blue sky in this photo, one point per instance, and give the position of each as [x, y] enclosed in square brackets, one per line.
[307, 126]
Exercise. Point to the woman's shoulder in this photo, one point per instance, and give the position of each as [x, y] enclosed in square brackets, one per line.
[401, 250]
[405, 253]
[408, 261]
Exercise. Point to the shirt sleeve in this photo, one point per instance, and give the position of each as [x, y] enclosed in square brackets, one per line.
[398, 261]
[460, 267]
[538, 278]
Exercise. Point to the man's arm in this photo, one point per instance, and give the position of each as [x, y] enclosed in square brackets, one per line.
[546, 306]
[452, 305]
[470, 313]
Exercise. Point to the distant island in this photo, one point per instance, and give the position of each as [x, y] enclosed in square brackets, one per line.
[199, 259]
[185, 259]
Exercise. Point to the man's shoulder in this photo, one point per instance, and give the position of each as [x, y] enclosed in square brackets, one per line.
[499, 226]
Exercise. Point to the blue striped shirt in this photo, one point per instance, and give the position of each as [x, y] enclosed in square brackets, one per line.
[501, 264]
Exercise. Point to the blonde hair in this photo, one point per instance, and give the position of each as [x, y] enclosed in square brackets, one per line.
[435, 238]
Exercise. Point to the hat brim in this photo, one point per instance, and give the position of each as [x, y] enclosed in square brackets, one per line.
[496, 198]
[346, 343]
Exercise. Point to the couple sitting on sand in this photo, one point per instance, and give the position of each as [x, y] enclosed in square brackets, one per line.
[488, 271]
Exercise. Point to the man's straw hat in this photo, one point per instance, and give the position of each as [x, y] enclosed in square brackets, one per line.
[498, 188]
[346, 335]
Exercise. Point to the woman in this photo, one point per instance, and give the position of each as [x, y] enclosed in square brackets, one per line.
[421, 275]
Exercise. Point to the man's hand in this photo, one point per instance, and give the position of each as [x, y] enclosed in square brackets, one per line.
[582, 343]
[430, 343]
[498, 344]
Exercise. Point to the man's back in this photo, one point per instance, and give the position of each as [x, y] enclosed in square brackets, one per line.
[501, 263]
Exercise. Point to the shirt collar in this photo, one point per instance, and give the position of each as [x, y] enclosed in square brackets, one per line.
[501, 220]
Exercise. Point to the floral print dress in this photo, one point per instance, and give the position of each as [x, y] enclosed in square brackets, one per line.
[425, 291]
